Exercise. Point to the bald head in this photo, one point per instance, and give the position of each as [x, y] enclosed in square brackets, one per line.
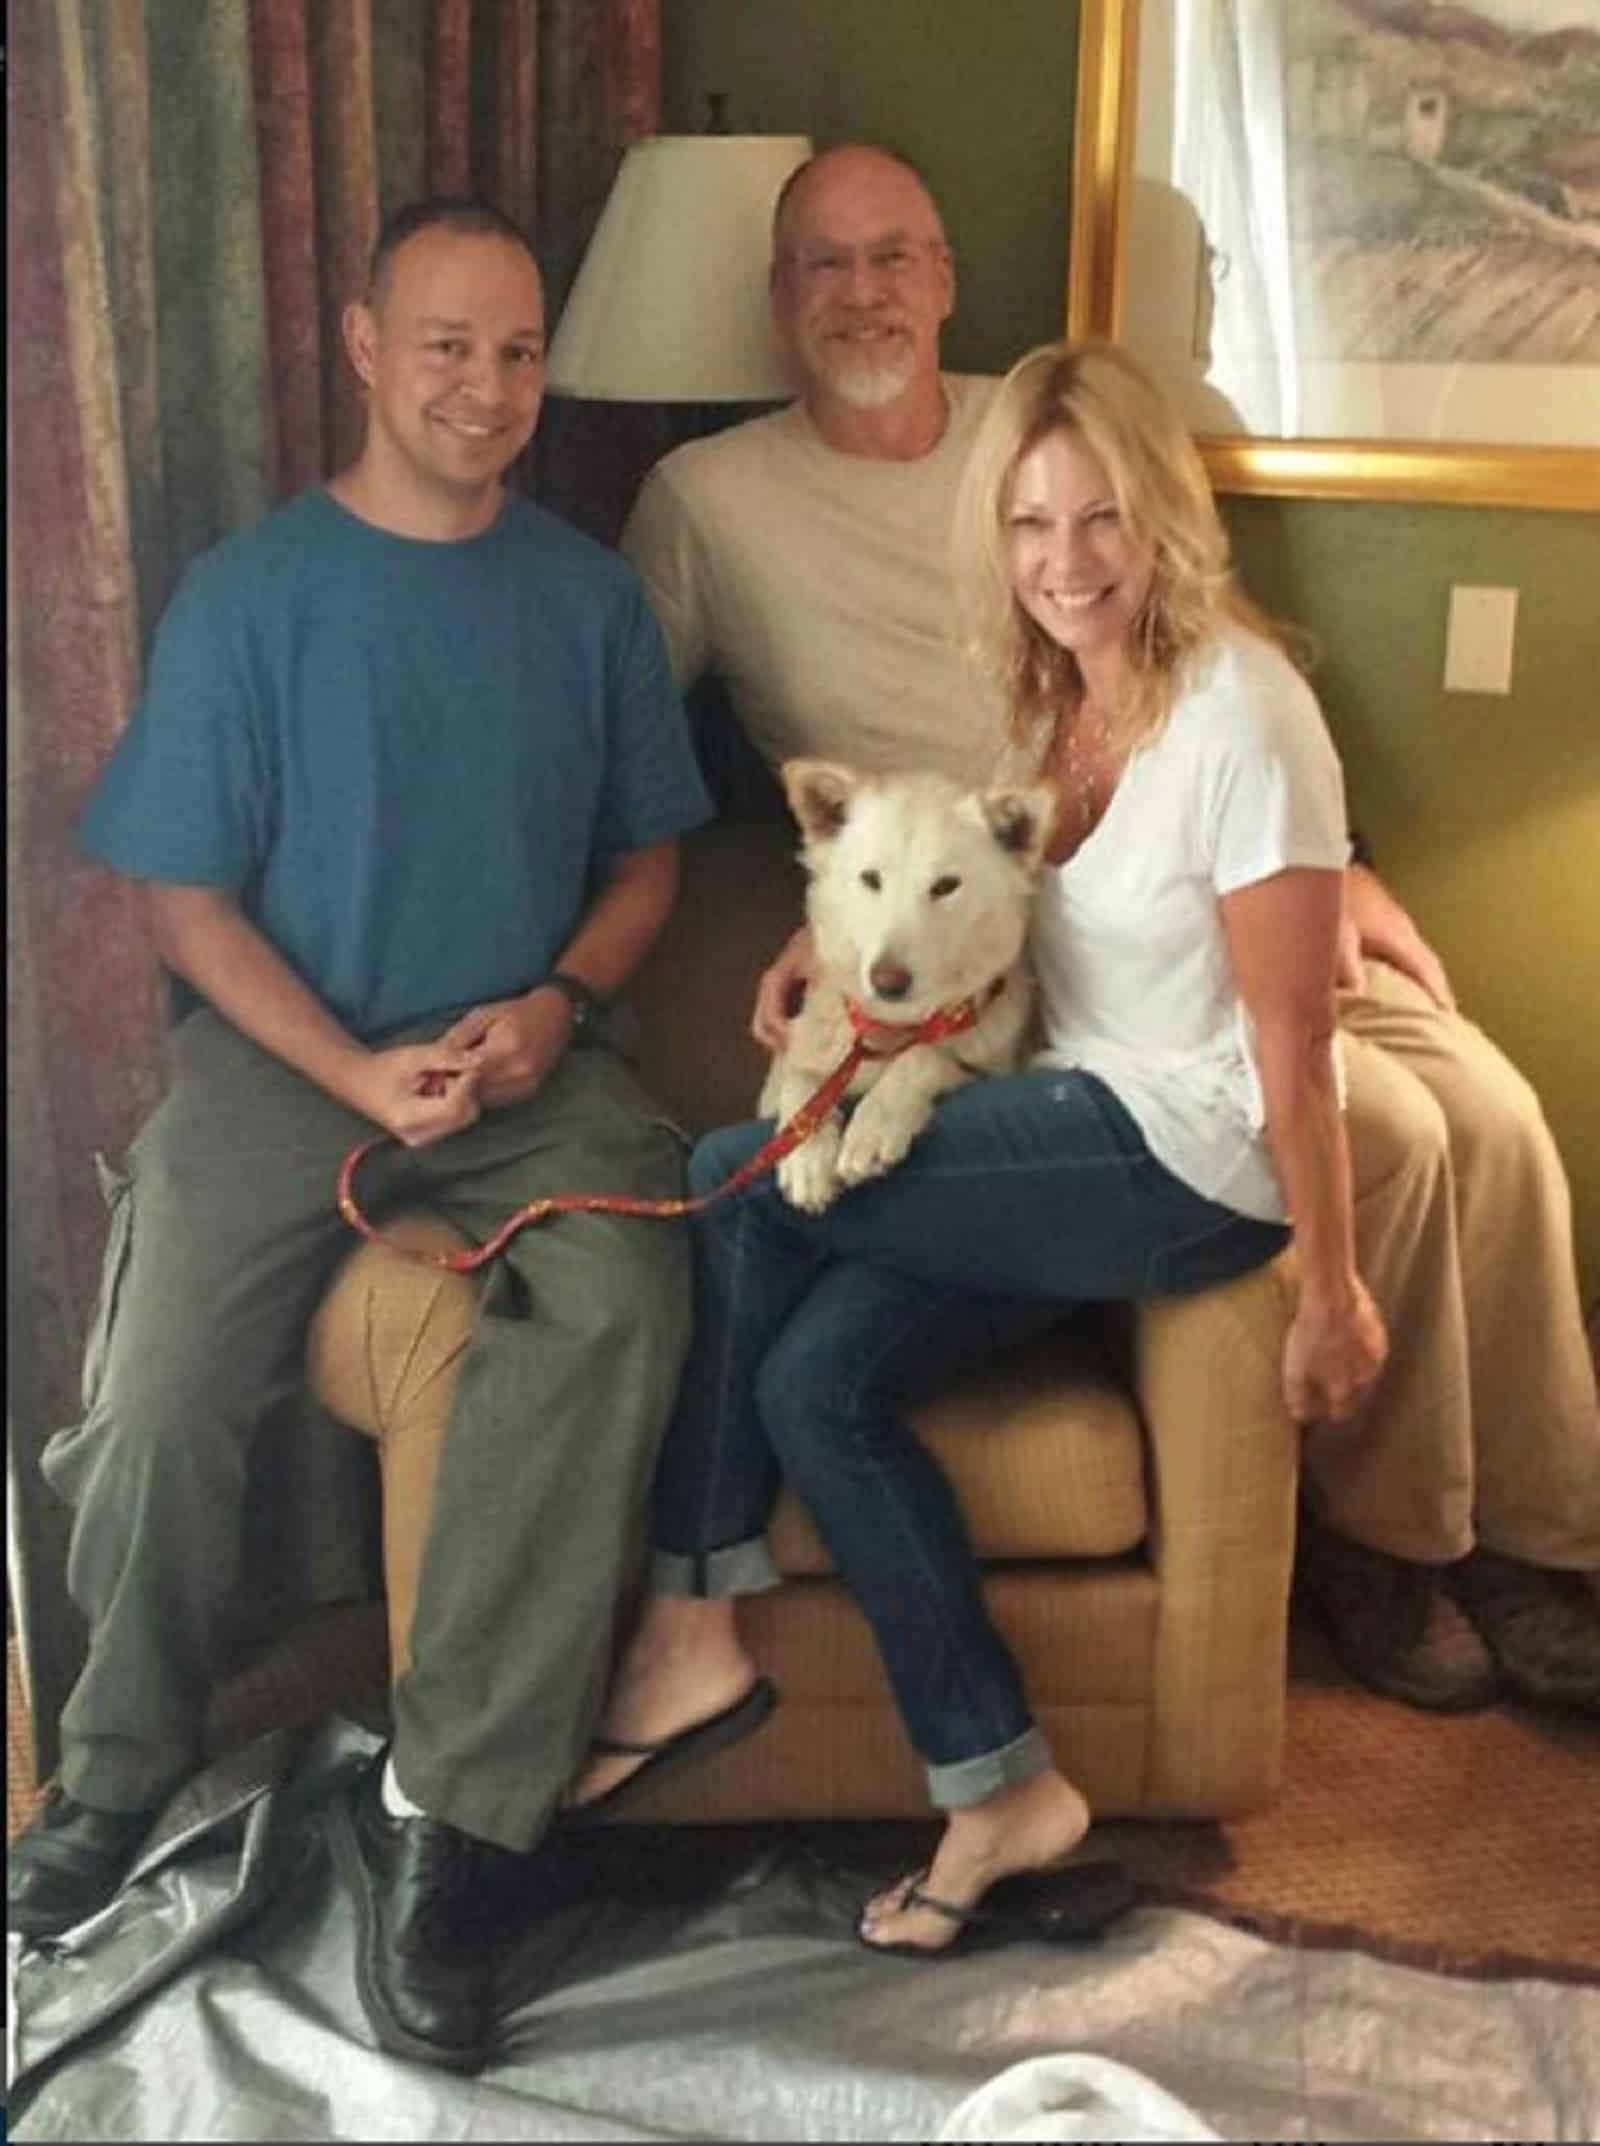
[845, 170]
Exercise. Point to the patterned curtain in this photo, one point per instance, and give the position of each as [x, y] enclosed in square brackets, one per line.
[194, 191]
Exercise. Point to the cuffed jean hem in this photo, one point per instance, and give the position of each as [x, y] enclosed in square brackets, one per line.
[966, 1781]
[743, 1568]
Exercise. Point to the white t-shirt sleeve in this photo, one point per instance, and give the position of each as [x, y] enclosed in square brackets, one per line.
[659, 540]
[1275, 790]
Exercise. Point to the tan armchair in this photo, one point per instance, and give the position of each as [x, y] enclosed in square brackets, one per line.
[1129, 1481]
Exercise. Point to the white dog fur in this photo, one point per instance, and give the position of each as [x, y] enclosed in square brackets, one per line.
[918, 898]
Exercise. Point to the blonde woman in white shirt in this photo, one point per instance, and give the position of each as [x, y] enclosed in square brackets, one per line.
[1181, 1126]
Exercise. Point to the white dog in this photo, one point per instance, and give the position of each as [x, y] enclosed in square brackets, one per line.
[918, 901]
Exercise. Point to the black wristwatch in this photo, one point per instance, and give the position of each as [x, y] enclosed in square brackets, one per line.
[588, 1008]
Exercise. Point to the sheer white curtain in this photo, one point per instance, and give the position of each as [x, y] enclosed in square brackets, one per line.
[1228, 158]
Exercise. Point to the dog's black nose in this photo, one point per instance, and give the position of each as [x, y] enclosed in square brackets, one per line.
[889, 979]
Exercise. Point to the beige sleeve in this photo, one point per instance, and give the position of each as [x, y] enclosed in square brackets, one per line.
[659, 540]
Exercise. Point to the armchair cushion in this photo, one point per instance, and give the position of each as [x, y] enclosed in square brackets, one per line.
[1045, 1452]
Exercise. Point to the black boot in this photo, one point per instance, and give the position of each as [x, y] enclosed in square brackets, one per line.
[1541, 1626]
[1393, 1624]
[68, 1863]
[427, 1899]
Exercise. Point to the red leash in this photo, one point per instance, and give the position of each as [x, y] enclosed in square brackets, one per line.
[948, 1021]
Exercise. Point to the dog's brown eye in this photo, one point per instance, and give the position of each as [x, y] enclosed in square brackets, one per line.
[874, 880]
[942, 887]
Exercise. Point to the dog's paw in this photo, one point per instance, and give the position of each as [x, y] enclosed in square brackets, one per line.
[809, 1178]
[876, 1139]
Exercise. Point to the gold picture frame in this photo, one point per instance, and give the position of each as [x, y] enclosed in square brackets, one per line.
[1457, 472]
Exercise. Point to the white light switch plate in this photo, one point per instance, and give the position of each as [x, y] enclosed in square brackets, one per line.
[1477, 652]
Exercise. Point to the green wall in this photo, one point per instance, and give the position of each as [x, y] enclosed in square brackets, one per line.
[1484, 811]
[978, 93]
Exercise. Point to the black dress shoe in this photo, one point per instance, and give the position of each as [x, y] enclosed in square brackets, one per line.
[426, 1939]
[68, 1863]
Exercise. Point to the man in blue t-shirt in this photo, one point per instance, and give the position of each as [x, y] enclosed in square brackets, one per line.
[405, 786]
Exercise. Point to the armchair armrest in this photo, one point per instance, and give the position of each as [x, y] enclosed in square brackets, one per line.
[1224, 1456]
[381, 1356]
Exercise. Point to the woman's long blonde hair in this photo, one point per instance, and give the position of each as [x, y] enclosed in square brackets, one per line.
[1094, 393]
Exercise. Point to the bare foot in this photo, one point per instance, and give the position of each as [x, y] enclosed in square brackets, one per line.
[1028, 1827]
[684, 1664]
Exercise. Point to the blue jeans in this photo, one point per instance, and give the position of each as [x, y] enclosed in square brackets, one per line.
[1025, 1196]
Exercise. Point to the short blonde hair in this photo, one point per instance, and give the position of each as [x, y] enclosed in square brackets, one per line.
[1094, 393]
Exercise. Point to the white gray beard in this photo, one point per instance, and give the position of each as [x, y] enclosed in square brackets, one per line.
[868, 386]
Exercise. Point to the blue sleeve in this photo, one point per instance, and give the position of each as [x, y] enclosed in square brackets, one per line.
[185, 797]
[653, 789]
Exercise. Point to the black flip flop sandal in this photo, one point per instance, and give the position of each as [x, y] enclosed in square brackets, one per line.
[1049, 1907]
[698, 1741]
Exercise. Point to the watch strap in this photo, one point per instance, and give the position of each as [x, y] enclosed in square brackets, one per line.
[586, 1003]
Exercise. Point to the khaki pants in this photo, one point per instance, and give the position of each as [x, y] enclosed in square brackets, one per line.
[1484, 1428]
[224, 1235]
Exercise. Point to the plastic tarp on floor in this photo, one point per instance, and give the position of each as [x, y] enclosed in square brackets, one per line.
[706, 1985]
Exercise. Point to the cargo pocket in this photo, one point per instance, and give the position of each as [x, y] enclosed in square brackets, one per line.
[116, 1189]
[64, 1453]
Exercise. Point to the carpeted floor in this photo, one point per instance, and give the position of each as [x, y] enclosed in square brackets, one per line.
[1465, 1843]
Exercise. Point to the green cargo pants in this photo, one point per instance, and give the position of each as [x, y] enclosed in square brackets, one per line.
[224, 1234]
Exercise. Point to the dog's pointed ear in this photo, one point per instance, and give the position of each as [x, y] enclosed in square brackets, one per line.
[820, 794]
[1020, 819]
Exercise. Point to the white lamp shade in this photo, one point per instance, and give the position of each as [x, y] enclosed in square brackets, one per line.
[670, 304]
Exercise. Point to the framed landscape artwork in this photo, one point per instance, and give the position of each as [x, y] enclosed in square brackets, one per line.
[1358, 239]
